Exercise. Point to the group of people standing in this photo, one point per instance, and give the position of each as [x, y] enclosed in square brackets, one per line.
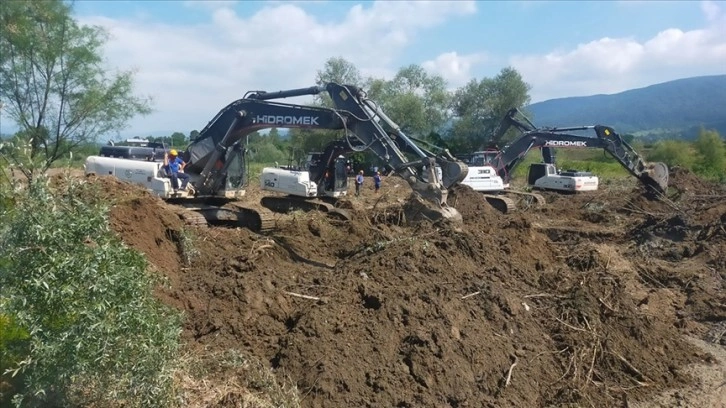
[359, 179]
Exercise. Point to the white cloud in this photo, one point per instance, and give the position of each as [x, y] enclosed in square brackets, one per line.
[193, 71]
[454, 68]
[711, 10]
[611, 65]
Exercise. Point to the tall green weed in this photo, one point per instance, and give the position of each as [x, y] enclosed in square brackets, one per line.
[95, 334]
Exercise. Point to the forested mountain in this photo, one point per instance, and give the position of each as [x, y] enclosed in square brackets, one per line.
[670, 109]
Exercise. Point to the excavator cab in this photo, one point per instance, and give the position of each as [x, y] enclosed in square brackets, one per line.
[335, 179]
[235, 179]
[340, 174]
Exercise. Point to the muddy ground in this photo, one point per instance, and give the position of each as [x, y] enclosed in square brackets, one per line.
[596, 299]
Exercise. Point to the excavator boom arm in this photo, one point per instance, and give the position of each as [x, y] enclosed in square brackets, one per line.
[242, 117]
[364, 124]
[654, 175]
[354, 113]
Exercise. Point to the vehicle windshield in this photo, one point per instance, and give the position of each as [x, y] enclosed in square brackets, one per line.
[483, 158]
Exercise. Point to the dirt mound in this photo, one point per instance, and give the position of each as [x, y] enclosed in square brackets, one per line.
[472, 205]
[682, 179]
[143, 221]
[581, 302]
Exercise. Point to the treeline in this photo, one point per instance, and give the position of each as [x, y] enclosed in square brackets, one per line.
[705, 156]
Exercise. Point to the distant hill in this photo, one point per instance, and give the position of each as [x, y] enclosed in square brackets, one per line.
[670, 109]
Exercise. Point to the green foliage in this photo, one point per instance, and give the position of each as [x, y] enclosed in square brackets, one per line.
[304, 141]
[596, 161]
[53, 84]
[13, 349]
[479, 106]
[178, 139]
[417, 101]
[96, 331]
[266, 152]
[268, 148]
[673, 153]
[340, 71]
[711, 155]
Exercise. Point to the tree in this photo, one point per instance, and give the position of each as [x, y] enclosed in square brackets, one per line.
[53, 85]
[193, 135]
[93, 330]
[417, 101]
[479, 106]
[340, 71]
[711, 161]
[178, 139]
[274, 137]
[672, 153]
[303, 141]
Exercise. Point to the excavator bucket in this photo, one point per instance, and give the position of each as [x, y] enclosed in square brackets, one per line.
[656, 176]
[452, 172]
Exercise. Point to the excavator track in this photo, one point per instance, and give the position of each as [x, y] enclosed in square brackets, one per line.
[190, 217]
[264, 219]
[519, 200]
[286, 204]
[500, 203]
[528, 199]
[230, 214]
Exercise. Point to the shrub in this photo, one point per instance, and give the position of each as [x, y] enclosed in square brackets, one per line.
[96, 334]
[673, 153]
[711, 162]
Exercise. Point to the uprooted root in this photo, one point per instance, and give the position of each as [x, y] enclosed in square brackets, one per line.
[595, 328]
[389, 216]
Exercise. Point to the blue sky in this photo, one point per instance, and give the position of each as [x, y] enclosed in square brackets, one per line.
[194, 57]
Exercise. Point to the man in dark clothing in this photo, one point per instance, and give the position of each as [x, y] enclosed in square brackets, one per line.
[174, 166]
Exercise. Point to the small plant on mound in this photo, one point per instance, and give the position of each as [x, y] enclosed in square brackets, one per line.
[96, 334]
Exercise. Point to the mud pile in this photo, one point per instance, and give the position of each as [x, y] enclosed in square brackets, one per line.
[581, 302]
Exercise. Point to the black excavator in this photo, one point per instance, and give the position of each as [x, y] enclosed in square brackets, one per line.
[653, 175]
[491, 169]
[429, 174]
[218, 172]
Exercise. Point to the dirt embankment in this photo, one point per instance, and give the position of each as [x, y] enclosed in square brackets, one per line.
[582, 302]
